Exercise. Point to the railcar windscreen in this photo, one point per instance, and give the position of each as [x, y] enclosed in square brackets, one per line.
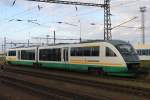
[126, 48]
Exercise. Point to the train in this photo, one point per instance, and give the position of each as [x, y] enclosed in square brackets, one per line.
[143, 51]
[112, 57]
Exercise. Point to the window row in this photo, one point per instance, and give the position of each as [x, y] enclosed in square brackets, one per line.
[143, 51]
[85, 51]
[55, 54]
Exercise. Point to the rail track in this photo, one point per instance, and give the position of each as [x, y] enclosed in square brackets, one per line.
[138, 91]
[145, 79]
[52, 93]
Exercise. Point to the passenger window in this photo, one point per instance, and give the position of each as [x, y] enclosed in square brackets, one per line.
[110, 53]
[12, 53]
[28, 54]
[95, 51]
[50, 54]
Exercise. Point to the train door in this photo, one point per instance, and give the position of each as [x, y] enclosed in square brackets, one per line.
[19, 54]
[65, 55]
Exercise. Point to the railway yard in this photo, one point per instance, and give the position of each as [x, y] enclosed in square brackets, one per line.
[74, 61]
[40, 84]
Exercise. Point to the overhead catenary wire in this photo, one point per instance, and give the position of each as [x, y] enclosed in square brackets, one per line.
[87, 13]
[68, 13]
[125, 22]
[23, 30]
[10, 18]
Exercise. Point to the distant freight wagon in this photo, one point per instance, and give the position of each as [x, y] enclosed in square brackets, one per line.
[113, 57]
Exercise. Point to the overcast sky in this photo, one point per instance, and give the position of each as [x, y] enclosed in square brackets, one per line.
[16, 25]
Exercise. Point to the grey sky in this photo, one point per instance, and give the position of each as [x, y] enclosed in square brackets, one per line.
[50, 14]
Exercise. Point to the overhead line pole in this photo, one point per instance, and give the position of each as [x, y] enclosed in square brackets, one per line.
[107, 20]
[107, 15]
[54, 37]
[143, 10]
[5, 44]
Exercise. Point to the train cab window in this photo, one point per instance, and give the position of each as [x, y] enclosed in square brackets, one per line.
[28, 54]
[11, 53]
[110, 53]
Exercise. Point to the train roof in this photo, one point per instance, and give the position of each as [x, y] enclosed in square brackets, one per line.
[113, 42]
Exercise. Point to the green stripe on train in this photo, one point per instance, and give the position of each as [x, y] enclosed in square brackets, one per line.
[84, 67]
[77, 67]
[29, 63]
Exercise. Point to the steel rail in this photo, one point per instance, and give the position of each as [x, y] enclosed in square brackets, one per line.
[52, 93]
[103, 85]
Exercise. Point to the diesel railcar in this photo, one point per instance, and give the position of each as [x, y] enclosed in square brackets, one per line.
[113, 57]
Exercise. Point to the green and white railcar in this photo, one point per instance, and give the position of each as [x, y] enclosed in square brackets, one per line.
[112, 57]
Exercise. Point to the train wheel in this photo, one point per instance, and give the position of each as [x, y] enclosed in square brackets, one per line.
[96, 71]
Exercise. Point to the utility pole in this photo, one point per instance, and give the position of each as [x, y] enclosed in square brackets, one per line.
[80, 31]
[28, 42]
[54, 37]
[47, 37]
[4, 44]
[107, 21]
[143, 10]
[11, 44]
[2, 47]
